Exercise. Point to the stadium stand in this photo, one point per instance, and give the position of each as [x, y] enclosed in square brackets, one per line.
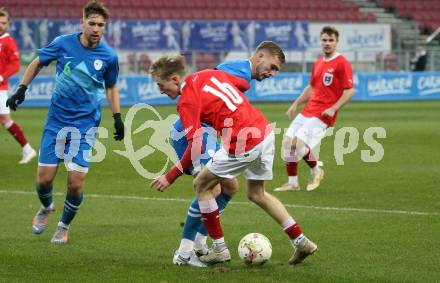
[315, 10]
[425, 12]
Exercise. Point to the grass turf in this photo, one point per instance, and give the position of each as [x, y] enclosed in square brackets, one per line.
[363, 217]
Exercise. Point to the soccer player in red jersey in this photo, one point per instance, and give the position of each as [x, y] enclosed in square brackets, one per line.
[331, 86]
[9, 65]
[216, 98]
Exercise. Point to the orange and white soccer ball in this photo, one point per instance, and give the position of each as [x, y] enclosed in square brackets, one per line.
[255, 249]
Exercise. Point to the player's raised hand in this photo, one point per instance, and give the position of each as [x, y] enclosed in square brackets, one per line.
[328, 113]
[119, 127]
[291, 111]
[17, 98]
[160, 183]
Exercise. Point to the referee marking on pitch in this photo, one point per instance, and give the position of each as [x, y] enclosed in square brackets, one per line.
[367, 210]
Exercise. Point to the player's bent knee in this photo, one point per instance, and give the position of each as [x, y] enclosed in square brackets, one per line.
[6, 120]
[75, 186]
[229, 186]
[289, 148]
[44, 183]
[301, 150]
[289, 143]
[197, 185]
[255, 197]
[45, 179]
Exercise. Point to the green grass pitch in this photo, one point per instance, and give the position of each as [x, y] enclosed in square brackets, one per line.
[373, 222]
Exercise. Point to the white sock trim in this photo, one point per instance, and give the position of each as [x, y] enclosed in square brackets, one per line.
[200, 240]
[208, 206]
[293, 180]
[51, 206]
[7, 125]
[289, 222]
[299, 240]
[218, 242]
[61, 224]
[27, 148]
[185, 248]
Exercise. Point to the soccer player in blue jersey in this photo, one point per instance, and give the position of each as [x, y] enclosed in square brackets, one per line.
[86, 71]
[259, 67]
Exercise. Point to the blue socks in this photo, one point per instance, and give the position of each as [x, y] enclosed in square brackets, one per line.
[222, 201]
[45, 195]
[71, 206]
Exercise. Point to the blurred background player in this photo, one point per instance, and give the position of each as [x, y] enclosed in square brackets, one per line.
[247, 145]
[9, 65]
[194, 232]
[418, 63]
[331, 86]
[87, 69]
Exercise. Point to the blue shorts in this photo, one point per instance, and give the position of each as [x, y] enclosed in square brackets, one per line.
[180, 143]
[67, 144]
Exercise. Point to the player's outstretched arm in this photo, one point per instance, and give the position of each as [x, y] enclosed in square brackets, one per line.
[304, 97]
[346, 96]
[113, 99]
[31, 72]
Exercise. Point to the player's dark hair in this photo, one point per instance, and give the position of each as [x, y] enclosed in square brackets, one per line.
[95, 8]
[166, 66]
[330, 31]
[273, 48]
[4, 13]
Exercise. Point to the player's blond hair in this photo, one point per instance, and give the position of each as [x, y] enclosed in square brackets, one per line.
[4, 13]
[95, 8]
[166, 66]
[330, 31]
[273, 48]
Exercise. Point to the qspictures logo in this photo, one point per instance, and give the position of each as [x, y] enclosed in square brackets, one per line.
[157, 139]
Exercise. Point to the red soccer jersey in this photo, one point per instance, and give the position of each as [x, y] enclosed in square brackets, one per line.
[9, 59]
[329, 79]
[216, 98]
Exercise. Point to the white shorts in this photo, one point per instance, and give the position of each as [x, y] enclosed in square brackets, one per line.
[310, 130]
[4, 110]
[256, 163]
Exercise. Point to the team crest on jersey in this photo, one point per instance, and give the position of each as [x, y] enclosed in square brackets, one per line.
[97, 64]
[327, 79]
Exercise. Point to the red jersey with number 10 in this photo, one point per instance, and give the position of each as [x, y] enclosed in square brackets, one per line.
[216, 98]
[329, 79]
[9, 59]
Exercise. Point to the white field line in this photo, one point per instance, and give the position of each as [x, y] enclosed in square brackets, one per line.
[350, 209]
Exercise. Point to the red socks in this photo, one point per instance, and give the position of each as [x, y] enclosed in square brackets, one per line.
[16, 131]
[310, 159]
[211, 218]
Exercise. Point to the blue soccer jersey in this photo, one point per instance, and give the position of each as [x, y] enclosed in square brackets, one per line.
[82, 75]
[240, 69]
[81, 78]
